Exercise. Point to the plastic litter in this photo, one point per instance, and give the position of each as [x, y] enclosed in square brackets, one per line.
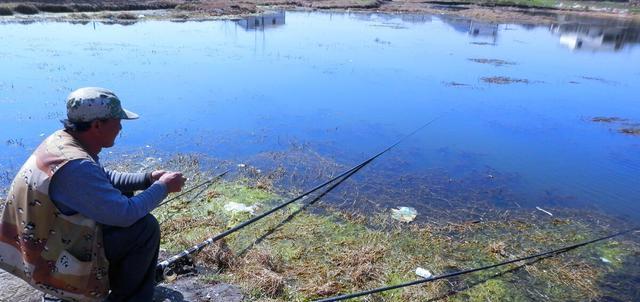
[423, 273]
[404, 214]
[235, 207]
[605, 260]
[544, 211]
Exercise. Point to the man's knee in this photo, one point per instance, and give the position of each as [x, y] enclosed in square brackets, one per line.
[151, 227]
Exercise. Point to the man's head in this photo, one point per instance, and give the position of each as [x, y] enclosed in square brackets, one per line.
[96, 113]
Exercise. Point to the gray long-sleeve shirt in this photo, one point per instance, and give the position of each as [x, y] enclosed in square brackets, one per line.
[83, 186]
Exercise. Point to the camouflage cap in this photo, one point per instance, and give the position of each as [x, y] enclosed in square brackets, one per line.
[92, 103]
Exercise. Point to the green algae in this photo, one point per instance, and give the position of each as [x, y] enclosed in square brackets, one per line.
[612, 252]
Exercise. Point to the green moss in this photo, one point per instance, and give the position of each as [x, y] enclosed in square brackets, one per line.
[490, 290]
[613, 252]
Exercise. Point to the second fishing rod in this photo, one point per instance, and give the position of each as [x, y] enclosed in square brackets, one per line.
[164, 268]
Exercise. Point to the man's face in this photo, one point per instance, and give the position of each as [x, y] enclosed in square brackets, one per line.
[109, 130]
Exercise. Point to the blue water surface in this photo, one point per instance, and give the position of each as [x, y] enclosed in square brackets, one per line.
[349, 84]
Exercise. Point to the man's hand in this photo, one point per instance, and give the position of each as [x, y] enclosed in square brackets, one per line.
[173, 180]
[155, 175]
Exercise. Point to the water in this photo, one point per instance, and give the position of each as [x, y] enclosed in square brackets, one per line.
[347, 85]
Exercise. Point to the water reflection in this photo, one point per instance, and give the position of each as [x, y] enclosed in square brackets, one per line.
[575, 33]
[595, 34]
[265, 20]
[473, 28]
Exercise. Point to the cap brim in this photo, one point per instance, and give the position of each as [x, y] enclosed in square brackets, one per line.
[128, 115]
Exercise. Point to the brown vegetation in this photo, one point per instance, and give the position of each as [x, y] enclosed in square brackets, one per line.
[503, 80]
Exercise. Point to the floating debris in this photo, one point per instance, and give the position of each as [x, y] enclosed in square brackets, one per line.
[241, 165]
[630, 131]
[455, 84]
[482, 43]
[605, 119]
[404, 214]
[235, 207]
[605, 260]
[544, 211]
[503, 80]
[423, 273]
[494, 62]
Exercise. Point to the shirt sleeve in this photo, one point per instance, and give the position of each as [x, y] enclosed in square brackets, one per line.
[82, 186]
[129, 182]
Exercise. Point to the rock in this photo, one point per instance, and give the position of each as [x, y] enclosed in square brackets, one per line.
[190, 289]
[14, 289]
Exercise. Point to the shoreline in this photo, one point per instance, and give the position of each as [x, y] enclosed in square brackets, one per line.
[499, 13]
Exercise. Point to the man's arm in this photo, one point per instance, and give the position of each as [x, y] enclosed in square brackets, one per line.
[129, 182]
[82, 186]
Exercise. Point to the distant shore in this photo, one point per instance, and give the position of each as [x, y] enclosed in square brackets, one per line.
[120, 11]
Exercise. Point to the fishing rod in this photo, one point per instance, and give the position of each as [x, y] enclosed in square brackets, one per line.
[296, 212]
[161, 268]
[208, 181]
[547, 254]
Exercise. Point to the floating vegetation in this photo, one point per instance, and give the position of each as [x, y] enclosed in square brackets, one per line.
[625, 126]
[455, 84]
[605, 119]
[380, 41]
[630, 130]
[482, 43]
[15, 142]
[601, 80]
[494, 62]
[503, 80]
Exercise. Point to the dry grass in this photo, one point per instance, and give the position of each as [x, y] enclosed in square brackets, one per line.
[218, 256]
[362, 265]
[261, 270]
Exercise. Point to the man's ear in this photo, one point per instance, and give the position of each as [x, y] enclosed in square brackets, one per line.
[96, 124]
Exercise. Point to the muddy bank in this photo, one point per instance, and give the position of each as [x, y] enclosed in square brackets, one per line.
[528, 12]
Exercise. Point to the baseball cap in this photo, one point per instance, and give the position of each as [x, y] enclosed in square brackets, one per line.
[92, 103]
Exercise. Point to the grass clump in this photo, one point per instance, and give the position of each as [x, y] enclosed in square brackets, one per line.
[26, 9]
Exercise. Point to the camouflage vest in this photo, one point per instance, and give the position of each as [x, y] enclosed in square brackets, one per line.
[55, 253]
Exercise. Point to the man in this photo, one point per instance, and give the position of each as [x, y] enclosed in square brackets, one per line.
[67, 228]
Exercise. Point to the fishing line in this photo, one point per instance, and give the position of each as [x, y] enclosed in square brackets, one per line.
[160, 268]
[208, 181]
[296, 212]
[551, 253]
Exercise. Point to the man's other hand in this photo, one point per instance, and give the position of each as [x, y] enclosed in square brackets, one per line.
[173, 180]
[155, 175]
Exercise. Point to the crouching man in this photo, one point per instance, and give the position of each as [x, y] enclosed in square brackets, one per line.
[67, 228]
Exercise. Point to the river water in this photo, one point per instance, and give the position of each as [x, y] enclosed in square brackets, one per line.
[516, 102]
